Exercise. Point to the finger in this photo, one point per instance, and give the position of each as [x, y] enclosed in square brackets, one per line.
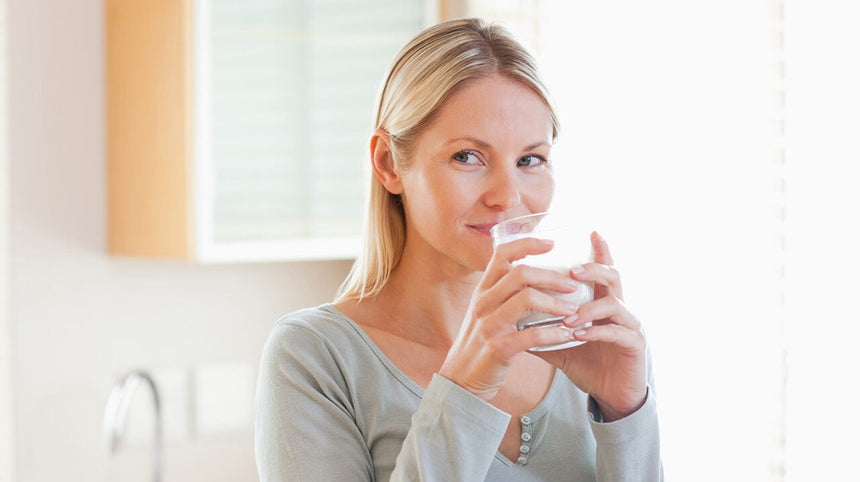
[602, 256]
[505, 254]
[524, 302]
[516, 279]
[601, 249]
[609, 310]
[606, 279]
[615, 334]
[525, 340]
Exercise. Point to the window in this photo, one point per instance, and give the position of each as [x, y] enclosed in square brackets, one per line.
[668, 148]
[715, 145]
[289, 96]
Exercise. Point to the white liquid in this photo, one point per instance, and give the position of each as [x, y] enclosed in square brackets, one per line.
[584, 293]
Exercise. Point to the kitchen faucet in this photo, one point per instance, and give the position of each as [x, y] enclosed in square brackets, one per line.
[117, 409]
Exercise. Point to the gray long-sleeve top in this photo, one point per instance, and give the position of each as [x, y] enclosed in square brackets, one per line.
[332, 407]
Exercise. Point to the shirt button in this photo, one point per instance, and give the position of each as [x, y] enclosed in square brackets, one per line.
[522, 460]
[524, 449]
[526, 436]
[525, 420]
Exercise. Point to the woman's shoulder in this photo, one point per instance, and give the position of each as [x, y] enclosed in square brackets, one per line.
[316, 340]
[321, 317]
[322, 323]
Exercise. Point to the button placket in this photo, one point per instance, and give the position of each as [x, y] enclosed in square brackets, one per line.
[526, 438]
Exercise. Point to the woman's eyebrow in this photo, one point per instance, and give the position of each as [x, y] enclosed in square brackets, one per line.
[486, 145]
[473, 140]
[536, 145]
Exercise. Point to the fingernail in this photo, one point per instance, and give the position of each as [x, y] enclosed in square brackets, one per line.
[572, 308]
[568, 333]
[577, 269]
[572, 283]
[569, 320]
[579, 333]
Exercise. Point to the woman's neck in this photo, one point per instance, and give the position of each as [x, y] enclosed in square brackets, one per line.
[433, 294]
[424, 300]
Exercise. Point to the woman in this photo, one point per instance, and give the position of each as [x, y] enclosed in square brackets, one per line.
[417, 371]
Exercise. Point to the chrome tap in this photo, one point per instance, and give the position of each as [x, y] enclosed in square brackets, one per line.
[117, 409]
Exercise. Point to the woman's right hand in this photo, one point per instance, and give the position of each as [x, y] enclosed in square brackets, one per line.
[489, 340]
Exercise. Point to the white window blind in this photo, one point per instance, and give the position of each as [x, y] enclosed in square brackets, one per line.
[292, 88]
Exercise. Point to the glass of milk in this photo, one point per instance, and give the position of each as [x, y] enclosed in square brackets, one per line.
[572, 247]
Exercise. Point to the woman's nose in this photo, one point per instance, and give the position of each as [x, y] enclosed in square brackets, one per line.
[502, 191]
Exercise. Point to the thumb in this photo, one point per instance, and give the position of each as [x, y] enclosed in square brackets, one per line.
[601, 249]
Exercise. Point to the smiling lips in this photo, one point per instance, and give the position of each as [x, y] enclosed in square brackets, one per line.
[483, 229]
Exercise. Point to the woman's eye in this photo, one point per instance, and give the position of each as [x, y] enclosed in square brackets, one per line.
[466, 157]
[529, 161]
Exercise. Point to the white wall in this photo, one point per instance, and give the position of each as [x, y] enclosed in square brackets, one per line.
[79, 317]
[822, 103]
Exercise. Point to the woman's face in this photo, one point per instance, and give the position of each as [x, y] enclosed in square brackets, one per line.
[483, 159]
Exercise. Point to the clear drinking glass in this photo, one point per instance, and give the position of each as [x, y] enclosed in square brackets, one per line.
[572, 247]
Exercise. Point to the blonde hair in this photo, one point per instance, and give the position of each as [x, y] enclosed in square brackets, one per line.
[426, 72]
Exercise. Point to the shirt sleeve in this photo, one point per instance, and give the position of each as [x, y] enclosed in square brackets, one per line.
[454, 436]
[629, 449]
[304, 429]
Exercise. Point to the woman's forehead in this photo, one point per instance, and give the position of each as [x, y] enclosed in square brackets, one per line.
[489, 107]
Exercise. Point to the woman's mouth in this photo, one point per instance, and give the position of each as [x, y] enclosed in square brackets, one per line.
[483, 229]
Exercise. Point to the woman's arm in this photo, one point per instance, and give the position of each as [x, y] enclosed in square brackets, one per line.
[307, 429]
[614, 368]
[304, 429]
[629, 448]
[454, 436]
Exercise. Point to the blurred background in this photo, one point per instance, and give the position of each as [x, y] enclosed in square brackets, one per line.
[176, 174]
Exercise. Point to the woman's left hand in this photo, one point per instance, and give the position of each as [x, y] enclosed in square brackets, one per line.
[612, 366]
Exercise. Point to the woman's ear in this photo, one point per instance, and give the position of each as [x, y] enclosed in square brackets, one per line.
[383, 162]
